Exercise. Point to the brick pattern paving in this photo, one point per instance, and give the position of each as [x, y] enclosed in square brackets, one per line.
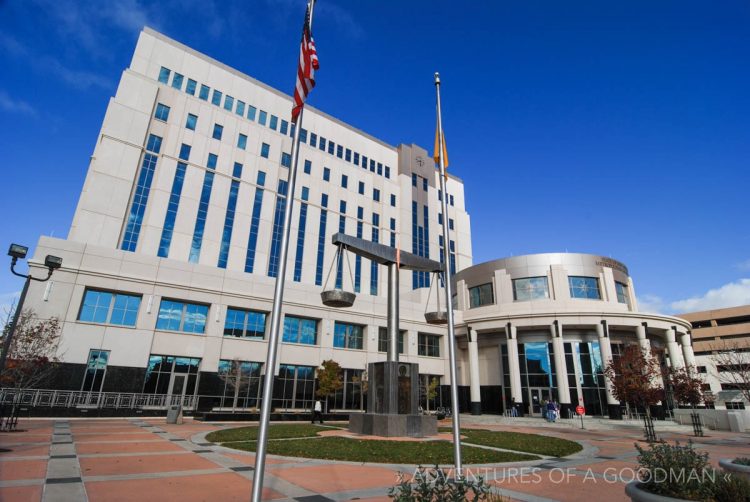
[125, 460]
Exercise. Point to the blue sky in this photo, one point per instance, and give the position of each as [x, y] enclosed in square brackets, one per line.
[616, 128]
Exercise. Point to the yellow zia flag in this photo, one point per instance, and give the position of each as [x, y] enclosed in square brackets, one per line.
[436, 155]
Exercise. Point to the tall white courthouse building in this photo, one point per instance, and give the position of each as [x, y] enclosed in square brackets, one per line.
[170, 262]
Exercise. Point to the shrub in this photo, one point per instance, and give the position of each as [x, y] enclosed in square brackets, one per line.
[434, 485]
[741, 461]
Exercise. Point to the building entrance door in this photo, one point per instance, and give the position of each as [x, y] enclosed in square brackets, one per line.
[177, 387]
[537, 397]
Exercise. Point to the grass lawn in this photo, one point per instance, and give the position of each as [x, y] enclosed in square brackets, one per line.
[531, 443]
[275, 431]
[407, 452]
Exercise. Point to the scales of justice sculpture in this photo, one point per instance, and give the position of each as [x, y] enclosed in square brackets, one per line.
[393, 395]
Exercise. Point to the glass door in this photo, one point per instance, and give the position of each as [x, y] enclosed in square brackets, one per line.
[538, 396]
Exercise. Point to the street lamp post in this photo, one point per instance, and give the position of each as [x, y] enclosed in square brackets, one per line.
[17, 252]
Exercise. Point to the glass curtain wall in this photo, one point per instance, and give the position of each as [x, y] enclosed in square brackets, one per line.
[241, 382]
[294, 387]
[350, 396]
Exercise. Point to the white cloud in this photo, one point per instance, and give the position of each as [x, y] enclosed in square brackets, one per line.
[729, 295]
[651, 304]
[13, 105]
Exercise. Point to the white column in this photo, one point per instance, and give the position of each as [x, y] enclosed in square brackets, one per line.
[640, 332]
[675, 354]
[561, 368]
[513, 367]
[476, 400]
[605, 349]
[687, 350]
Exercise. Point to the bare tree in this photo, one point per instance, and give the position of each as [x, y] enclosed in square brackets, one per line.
[32, 355]
[732, 362]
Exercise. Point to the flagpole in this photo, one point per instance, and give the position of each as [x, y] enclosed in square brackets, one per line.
[448, 290]
[278, 296]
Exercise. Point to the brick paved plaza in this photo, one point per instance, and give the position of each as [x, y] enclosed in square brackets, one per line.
[134, 459]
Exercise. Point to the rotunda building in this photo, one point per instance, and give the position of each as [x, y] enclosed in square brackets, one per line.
[543, 327]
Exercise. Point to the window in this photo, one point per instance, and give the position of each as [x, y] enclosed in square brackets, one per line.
[242, 141]
[237, 170]
[308, 167]
[331, 147]
[364, 162]
[240, 383]
[313, 140]
[95, 370]
[191, 85]
[451, 198]
[212, 160]
[387, 172]
[274, 122]
[191, 121]
[164, 75]
[294, 388]
[216, 97]
[284, 129]
[228, 103]
[356, 159]
[429, 345]
[184, 152]
[481, 295]
[424, 184]
[584, 287]
[286, 159]
[348, 155]
[303, 135]
[262, 117]
[376, 195]
[105, 307]
[622, 293]
[347, 336]
[344, 181]
[383, 340]
[204, 92]
[265, 150]
[218, 131]
[326, 174]
[175, 315]
[177, 81]
[300, 330]
[450, 223]
[413, 179]
[322, 144]
[162, 112]
[530, 288]
[393, 200]
[251, 112]
[372, 165]
[245, 323]
[362, 187]
[240, 109]
[380, 169]
[339, 151]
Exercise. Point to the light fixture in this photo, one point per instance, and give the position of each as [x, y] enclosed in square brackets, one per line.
[18, 251]
[52, 262]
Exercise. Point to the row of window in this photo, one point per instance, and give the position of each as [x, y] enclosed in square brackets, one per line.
[162, 113]
[537, 288]
[121, 309]
[273, 122]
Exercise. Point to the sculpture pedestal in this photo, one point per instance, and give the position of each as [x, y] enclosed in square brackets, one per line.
[393, 403]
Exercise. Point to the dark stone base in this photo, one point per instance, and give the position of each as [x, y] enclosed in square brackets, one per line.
[476, 408]
[614, 411]
[375, 424]
[228, 416]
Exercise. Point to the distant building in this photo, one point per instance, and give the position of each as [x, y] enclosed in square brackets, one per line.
[715, 331]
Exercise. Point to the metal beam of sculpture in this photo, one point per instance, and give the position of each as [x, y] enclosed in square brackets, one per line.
[385, 255]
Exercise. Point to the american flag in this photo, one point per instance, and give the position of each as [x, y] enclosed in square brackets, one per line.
[308, 63]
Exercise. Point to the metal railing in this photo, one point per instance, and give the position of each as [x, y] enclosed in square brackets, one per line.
[81, 399]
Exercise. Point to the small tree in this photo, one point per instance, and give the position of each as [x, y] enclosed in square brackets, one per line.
[635, 376]
[431, 392]
[330, 379]
[732, 363]
[687, 389]
[32, 355]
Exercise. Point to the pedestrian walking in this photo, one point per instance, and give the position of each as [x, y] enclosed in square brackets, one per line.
[550, 411]
[317, 412]
[513, 409]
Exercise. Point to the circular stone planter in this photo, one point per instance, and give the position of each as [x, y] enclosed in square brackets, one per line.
[337, 298]
[636, 493]
[737, 469]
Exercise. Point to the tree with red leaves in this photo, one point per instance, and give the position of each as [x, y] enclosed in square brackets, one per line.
[686, 387]
[32, 355]
[635, 377]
